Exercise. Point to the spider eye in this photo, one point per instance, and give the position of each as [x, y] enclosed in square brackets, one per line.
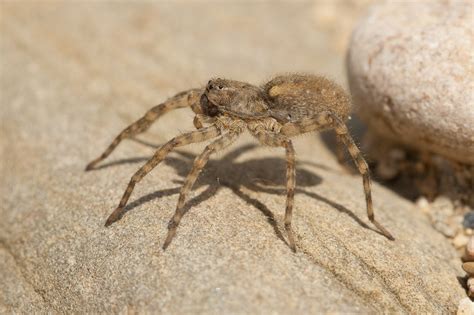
[220, 87]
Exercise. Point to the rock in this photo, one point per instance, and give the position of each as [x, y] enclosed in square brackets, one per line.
[470, 287]
[468, 267]
[468, 220]
[74, 75]
[460, 240]
[466, 307]
[423, 205]
[470, 248]
[441, 214]
[410, 74]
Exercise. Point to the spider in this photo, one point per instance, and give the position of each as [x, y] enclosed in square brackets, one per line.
[286, 106]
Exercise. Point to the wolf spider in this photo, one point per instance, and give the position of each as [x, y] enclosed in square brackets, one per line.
[284, 107]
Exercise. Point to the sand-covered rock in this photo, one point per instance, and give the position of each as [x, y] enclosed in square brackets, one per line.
[466, 307]
[72, 76]
[410, 71]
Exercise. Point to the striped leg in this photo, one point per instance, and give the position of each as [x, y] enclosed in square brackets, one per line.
[276, 140]
[183, 99]
[199, 163]
[363, 168]
[187, 138]
[319, 122]
[339, 149]
[290, 190]
[328, 120]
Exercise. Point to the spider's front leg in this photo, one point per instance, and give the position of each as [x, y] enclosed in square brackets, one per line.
[160, 154]
[271, 138]
[199, 163]
[180, 100]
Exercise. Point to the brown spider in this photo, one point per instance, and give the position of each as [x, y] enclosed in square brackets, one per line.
[284, 107]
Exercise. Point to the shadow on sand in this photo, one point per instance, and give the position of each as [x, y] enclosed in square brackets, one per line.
[267, 175]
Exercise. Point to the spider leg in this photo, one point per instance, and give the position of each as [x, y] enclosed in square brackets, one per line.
[277, 140]
[183, 99]
[199, 163]
[326, 120]
[318, 122]
[160, 154]
[200, 119]
[290, 189]
[321, 121]
[343, 133]
[339, 149]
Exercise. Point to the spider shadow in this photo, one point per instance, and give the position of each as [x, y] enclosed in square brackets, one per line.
[252, 175]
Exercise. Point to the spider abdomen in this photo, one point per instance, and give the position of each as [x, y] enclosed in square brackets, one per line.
[296, 96]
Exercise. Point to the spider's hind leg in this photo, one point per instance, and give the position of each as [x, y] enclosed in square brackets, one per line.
[339, 149]
[180, 100]
[326, 120]
[344, 136]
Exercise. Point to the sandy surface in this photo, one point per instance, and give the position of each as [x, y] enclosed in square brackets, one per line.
[72, 76]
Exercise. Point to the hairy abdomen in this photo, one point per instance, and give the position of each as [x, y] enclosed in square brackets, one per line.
[296, 96]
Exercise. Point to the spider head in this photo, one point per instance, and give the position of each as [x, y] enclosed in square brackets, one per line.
[227, 95]
[218, 93]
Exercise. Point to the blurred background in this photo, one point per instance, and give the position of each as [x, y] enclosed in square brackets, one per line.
[73, 74]
[121, 50]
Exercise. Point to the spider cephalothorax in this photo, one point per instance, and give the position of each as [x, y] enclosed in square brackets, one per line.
[235, 98]
[283, 107]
